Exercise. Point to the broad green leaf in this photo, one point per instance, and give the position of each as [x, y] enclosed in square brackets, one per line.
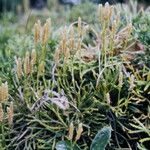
[66, 145]
[101, 139]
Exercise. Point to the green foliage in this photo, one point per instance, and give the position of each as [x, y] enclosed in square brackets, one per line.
[8, 5]
[18, 43]
[101, 139]
[142, 30]
[83, 10]
[65, 145]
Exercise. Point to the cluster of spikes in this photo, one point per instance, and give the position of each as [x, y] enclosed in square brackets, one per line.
[78, 133]
[3, 98]
[26, 65]
[70, 41]
[3, 92]
[110, 23]
[10, 113]
[41, 34]
[110, 41]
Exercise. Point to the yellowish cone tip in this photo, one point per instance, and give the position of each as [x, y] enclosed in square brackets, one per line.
[114, 26]
[100, 12]
[27, 65]
[57, 56]
[71, 130]
[72, 40]
[120, 79]
[3, 92]
[48, 22]
[36, 33]
[79, 132]
[46, 31]
[66, 54]
[33, 56]
[131, 82]
[10, 113]
[19, 67]
[39, 30]
[64, 41]
[79, 26]
[105, 12]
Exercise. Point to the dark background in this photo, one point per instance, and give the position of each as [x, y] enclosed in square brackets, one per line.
[39, 4]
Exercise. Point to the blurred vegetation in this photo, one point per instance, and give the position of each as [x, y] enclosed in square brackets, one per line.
[24, 5]
[83, 10]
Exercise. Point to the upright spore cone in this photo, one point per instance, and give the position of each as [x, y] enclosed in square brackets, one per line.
[79, 131]
[46, 31]
[57, 55]
[48, 22]
[36, 33]
[100, 10]
[3, 92]
[108, 98]
[39, 26]
[64, 40]
[33, 56]
[131, 82]
[105, 12]
[19, 67]
[114, 26]
[10, 112]
[120, 79]
[108, 11]
[72, 40]
[71, 130]
[79, 27]
[27, 64]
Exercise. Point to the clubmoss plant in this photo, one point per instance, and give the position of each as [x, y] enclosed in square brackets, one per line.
[69, 88]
